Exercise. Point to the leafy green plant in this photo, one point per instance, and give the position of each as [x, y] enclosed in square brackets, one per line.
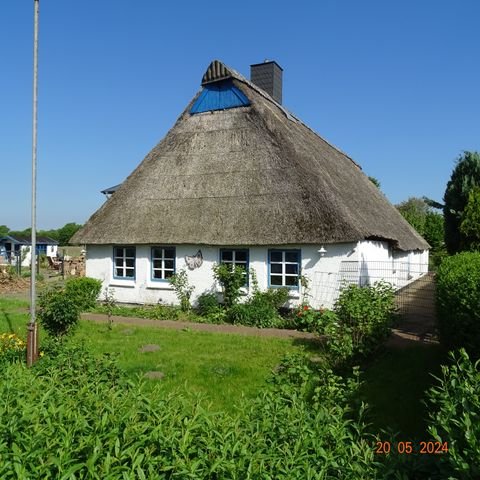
[231, 281]
[58, 312]
[84, 291]
[454, 406]
[182, 288]
[361, 321]
[254, 313]
[458, 302]
[208, 304]
[109, 304]
[12, 347]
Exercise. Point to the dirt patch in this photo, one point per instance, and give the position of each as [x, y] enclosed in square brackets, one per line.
[12, 284]
[154, 375]
[149, 348]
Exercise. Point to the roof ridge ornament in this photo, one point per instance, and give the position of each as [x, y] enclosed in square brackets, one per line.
[216, 71]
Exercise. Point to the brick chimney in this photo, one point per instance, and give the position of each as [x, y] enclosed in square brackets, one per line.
[269, 77]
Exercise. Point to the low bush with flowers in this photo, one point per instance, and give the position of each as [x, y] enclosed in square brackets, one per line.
[308, 318]
[12, 347]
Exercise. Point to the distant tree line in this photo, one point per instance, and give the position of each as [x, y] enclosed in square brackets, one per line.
[457, 227]
[61, 235]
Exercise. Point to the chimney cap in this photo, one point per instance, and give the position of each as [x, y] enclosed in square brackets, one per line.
[266, 61]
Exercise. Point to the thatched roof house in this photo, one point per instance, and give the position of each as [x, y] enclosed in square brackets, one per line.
[237, 169]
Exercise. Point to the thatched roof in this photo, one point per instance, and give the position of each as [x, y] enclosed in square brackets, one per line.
[252, 175]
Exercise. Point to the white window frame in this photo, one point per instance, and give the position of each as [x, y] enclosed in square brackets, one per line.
[162, 258]
[123, 256]
[283, 274]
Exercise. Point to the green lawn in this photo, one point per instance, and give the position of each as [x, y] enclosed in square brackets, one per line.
[224, 368]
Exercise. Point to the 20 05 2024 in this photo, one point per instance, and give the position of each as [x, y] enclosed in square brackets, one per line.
[408, 448]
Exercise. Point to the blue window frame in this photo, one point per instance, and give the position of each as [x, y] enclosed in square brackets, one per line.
[236, 257]
[284, 268]
[163, 262]
[124, 262]
[41, 249]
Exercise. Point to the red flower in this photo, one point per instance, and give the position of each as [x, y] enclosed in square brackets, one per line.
[305, 307]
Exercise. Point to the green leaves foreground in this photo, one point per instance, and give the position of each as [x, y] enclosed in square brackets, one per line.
[74, 416]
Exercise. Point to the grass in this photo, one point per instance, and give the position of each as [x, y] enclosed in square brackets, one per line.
[223, 368]
[226, 368]
[395, 385]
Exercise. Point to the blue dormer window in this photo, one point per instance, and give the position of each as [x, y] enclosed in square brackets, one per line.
[219, 96]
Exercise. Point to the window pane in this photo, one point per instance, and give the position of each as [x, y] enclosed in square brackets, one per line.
[157, 274]
[291, 281]
[157, 264]
[118, 252]
[130, 272]
[240, 256]
[275, 256]
[291, 268]
[169, 264]
[227, 255]
[156, 253]
[130, 262]
[276, 280]
[129, 252]
[168, 273]
[119, 272]
[169, 253]
[291, 256]
[276, 268]
[119, 262]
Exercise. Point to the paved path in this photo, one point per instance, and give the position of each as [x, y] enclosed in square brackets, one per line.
[418, 320]
[203, 327]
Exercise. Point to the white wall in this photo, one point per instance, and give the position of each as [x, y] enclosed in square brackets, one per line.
[342, 262]
[26, 251]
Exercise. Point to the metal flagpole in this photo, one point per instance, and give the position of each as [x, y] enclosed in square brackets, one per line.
[32, 329]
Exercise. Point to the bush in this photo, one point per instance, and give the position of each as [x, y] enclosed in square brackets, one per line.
[58, 312]
[361, 321]
[454, 407]
[183, 289]
[307, 318]
[12, 348]
[231, 280]
[254, 314]
[458, 302]
[84, 291]
[208, 304]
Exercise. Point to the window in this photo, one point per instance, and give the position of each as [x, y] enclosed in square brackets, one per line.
[236, 258]
[124, 262]
[163, 262]
[284, 268]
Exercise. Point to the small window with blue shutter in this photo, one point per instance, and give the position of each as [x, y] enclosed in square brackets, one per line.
[219, 96]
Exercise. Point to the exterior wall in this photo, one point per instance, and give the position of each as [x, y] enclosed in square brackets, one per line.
[342, 262]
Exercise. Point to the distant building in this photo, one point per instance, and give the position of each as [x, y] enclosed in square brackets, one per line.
[240, 180]
[13, 247]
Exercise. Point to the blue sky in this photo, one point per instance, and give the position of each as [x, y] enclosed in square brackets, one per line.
[395, 84]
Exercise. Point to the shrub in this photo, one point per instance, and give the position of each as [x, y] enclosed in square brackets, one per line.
[182, 288]
[458, 302]
[454, 407]
[254, 314]
[361, 321]
[58, 312]
[12, 347]
[231, 281]
[307, 318]
[208, 304]
[84, 291]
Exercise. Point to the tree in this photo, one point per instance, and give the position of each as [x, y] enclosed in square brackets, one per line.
[375, 181]
[434, 230]
[470, 226]
[66, 232]
[414, 210]
[465, 176]
[4, 230]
